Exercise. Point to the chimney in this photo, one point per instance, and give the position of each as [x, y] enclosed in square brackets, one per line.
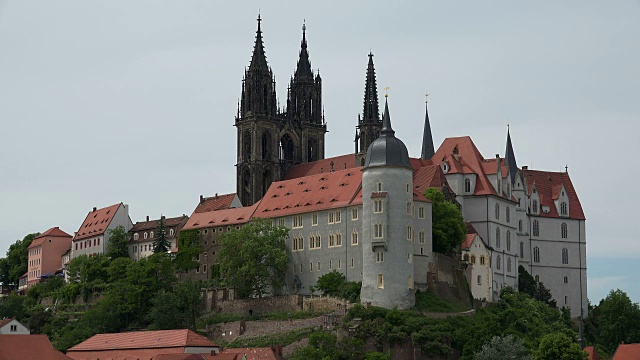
[332, 166]
[201, 199]
[95, 209]
[321, 170]
[147, 217]
[216, 195]
[525, 167]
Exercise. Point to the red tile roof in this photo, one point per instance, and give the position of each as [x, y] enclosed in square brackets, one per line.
[153, 224]
[223, 217]
[96, 222]
[548, 185]
[217, 202]
[144, 340]
[341, 162]
[627, 352]
[53, 232]
[28, 347]
[466, 244]
[253, 353]
[184, 357]
[4, 322]
[428, 176]
[593, 354]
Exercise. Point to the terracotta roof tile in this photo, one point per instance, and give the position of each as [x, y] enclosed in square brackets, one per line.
[28, 347]
[593, 354]
[143, 340]
[341, 162]
[222, 217]
[4, 322]
[627, 352]
[96, 222]
[547, 183]
[253, 353]
[428, 176]
[217, 202]
[53, 232]
[153, 224]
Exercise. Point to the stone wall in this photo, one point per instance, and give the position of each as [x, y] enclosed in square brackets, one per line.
[447, 280]
[260, 306]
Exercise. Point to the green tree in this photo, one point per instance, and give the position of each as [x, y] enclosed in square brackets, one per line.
[15, 263]
[559, 346]
[177, 309]
[13, 306]
[527, 284]
[617, 320]
[335, 284]
[188, 250]
[254, 257]
[160, 243]
[504, 348]
[448, 226]
[90, 273]
[118, 241]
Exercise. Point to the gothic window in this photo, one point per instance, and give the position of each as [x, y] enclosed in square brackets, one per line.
[565, 256]
[498, 237]
[266, 145]
[312, 149]
[536, 254]
[482, 260]
[508, 264]
[466, 257]
[145, 234]
[246, 186]
[497, 211]
[563, 230]
[379, 256]
[563, 208]
[421, 237]
[508, 215]
[354, 238]
[266, 181]
[536, 228]
[473, 259]
[521, 249]
[508, 240]
[534, 206]
[498, 262]
[467, 185]
[421, 212]
[354, 213]
[286, 148]
[246, 144]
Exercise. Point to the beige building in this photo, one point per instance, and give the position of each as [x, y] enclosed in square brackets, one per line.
[44, 254]
[144, 233]
[477, 254]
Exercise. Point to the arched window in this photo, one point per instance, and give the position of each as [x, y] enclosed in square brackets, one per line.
[565, 256]
[467, 185]
[508, 264]
[536, 228]
[171, 232]
[498, 262]
[537, 278]
[151, 234]
[536, 254]
[482, 260]
[508, 215]
[521, 249]
[497, 211]
[497, 237]
[145, 234]
[563, 230]
[508, 240]
[466, 257]
[136, 236]
[473, 259]
[534, 206]
[563, 208]
[479, 279]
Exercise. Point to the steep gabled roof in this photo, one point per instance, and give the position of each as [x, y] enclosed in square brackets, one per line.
[28, 347]
[144, 340]
[222, 217]
[321, 166]
[216, 202]
[547, 185]
[54, 232]
[428, 176]
[96, 222]
[153, 224]
[627, 352]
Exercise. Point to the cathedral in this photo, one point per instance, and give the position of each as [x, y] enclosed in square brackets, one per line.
[364, 215]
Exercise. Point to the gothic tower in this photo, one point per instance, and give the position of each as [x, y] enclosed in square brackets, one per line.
[258, 124]
[369, 125]
[427, 139]
[304, 116]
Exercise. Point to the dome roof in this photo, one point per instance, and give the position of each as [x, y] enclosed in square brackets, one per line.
[387, 149]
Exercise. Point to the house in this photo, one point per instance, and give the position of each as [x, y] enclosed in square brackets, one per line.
[266, 353]
[592, 352]
[13, 327]
[64, 262]
[45, 252]
[92, 237]
[23, 283]
[627, 352]
[142, 344]
[28, 347]
[144, 233]
[477, 254]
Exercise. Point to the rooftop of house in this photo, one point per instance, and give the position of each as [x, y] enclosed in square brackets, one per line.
[548, 185]
[224, 217]
[4, 322]
[153, 224]
[216, 202]
[627, 352]
[28, 347]
[144, 340]
[54, 232]
[96, 222]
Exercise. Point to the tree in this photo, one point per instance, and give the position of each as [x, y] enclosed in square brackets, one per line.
[527, 284]
[15, 264]
[118, 241]
[177, 309]
[335, 284]
[188, 250]
[617, 320]
[503, 348]
[448, 226]
[559, 346]
[160, 243]
[254, 257]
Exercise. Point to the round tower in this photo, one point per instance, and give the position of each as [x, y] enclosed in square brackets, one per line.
[387, 188]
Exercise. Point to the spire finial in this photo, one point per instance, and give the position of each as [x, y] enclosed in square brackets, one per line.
[426, 97]
[304, 26]
[566, 168]
[386, 92]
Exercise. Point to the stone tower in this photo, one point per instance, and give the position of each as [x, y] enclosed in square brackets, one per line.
[271, 141]
[369, 124]
[387, 188]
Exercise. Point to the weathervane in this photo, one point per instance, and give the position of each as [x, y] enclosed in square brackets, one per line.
[426, 97]
[386, 91]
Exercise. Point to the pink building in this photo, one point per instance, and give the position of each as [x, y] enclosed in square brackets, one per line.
[45, 252]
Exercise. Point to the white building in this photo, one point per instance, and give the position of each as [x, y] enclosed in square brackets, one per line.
[92, 237]
[477, 254]
[13, 327]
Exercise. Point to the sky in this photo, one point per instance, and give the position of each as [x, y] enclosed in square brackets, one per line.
[104, 102]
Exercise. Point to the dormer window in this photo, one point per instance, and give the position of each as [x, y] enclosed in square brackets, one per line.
[445, 167]
[534, 206]
[145, 234]
[136, 236]
[563, 209]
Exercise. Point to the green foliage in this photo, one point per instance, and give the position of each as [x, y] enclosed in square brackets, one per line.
[371, 355]
[254, 257]
[283, 339]
[527, 284]
[48, 287]
[189, 248]
[614, 320]
[504, 348]
[90, 273]
[335, 284]
[449, 230]
[15, 263]
[428, 301]
[160, 243]
[118, 241]
[559, 346]
[13, 306]
[177, 309]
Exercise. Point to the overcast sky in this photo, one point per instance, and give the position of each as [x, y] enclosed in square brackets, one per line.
[118, 101]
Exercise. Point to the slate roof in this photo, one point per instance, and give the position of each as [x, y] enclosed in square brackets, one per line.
[548, 185]
[28, 347]
[96, 222]
[53, 232]
[144, 340]
[217, 202]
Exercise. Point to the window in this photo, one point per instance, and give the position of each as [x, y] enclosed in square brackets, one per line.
[565, 300]
[136, 236]
[497, 211]
[379, 256]
[379, 187]
[408, 187]
[354, 238]
[466, 257]
[537, 278]
[330, 264]
[498, 262]
[318, 241]
[467, 185]
[339, 264]
[421, 212]
[520, 226]
[314, 219]
[151, 234]
[563, 230]
[354, 214]
[338, 239]
[310, 267]
[314, 241]
[410, 281]
[204, 268]
[565, 256]
[145, 234]
[508, 215]
[332, 240]
[508, 240]
[421, 236]
[13, 328]
[563, 208]
[171, 232]
[352, 263]
[508, 264]
[498, 237]
[409, 208]
[536, 228]
[378, 231]
[377, 206]
[566, 280]
[534, 206]
[338, 216]
[536, 254]
[380, 281]
[479, 279]
[473, 259]
[297, 221]
[521, 249]
[297, 243]
[409, 232]
[318, 265]
[331, 219]
[280, 222]
[482, 260]
[499, 189]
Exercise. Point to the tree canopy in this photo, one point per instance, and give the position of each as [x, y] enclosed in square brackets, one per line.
[504, 348]
[335, 284]
[254, 258]
[118, 241]
[559, 346]
[160, 243]
[15, 263]
[449, 230]
[614, 320]
[527, 284]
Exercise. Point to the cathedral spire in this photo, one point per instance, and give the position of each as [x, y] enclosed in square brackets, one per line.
[386, 120]
[304, 65]
[427, 139]
[510, 158]
[258, 59]
[371, 111]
